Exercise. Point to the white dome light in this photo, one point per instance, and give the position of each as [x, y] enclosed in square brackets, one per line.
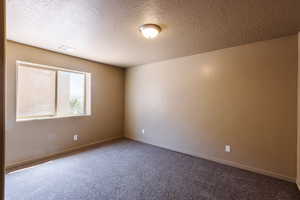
[150, 31]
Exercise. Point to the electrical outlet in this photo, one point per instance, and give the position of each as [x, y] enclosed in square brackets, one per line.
[227, 148]
[75, 137]
[143, 131]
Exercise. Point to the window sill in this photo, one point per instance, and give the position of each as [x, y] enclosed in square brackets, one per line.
[55, 117]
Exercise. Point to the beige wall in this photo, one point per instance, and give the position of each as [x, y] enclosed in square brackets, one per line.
[298, 144]
[35, 139]
[2, 66]
[245, 96]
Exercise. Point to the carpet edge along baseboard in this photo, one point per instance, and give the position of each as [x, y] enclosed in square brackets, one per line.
[225, 162]
[75, 149]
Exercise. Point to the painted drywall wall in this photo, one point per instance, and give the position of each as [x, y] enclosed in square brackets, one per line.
[244, 96]
[298, 118]
[2, 83]
[36, 139]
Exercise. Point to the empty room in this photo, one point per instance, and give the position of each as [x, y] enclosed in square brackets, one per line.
[150, 100]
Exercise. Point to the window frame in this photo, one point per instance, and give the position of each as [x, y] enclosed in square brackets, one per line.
[87, 112]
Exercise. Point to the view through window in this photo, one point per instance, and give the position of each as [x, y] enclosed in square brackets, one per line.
[44, 92]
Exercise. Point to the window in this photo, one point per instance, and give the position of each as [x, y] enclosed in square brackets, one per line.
[51, 92]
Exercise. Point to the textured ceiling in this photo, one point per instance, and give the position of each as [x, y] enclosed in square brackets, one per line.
[107, 30]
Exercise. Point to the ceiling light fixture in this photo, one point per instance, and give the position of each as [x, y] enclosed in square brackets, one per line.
[150, 31]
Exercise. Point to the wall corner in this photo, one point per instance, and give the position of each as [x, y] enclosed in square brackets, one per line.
[298, 117]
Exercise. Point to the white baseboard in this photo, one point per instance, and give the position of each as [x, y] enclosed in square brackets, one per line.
[18, 165]
[24, 163]
[298, 184]
[225, 162]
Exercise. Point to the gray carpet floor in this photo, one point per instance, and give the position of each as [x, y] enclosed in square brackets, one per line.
[128, 170]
